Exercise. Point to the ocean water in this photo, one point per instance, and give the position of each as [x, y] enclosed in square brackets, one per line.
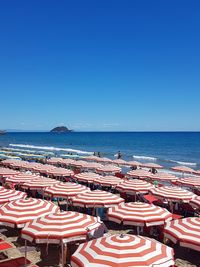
[165, 148]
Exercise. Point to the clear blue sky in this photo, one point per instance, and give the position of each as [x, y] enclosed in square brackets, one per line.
[100, 64]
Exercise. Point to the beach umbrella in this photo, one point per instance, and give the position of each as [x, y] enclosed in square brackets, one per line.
[151, 165]
[185, 231]
[109, 180]
[182, 169]
[5, 172]
[92, 158]
[22, 178]
[17, 213]
[54, 160]
[195, 202]
[134, 163]
[104, 160]
[164, 177]
[139, 214]
[120, 162]
[87, 177]
[58, 172]
[96, 199]
[61, 228]
[172, 193]
[123, 250]
[135, 186]
[197, 172]
[190, 181]
[39, 183]
[68, 162]
[142, 174]
[7, 195]
[79, 163]
[108, 169]
[65, 190]
[92, 165]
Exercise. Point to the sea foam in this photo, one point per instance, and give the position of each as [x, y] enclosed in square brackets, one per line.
[145, 158]
[52, 148]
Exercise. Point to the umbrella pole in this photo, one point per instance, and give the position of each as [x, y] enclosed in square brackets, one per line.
[25, 252]
[138, 230]
[63, 255]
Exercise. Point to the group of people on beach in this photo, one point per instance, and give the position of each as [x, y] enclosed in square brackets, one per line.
[119, 155]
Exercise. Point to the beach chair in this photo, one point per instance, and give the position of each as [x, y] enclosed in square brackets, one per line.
[17, 262]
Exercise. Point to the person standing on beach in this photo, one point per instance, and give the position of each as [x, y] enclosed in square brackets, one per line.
[119, 155]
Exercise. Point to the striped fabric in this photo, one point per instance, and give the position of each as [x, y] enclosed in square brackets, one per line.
[164, 176]
[134, 163]
[96, 198]
[139, 174]
[62, 226]
[186, 231]
[109, 169]
[7, 195]
[18, 213]
[5, 172]
[65, 190]
[151, 165]
[122, 251]
[108, 180]
[39, 183]
[172, 193]
[190, 181]
[87, 177]
[60, 172]
[139, 214]
[135, 186]
[182, 169]
[22, 178]
[195, 202]
[120, 162]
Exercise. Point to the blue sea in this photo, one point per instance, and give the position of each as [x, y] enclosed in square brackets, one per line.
[165, 148]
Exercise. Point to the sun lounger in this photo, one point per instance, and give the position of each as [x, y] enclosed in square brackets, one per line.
[17, 262]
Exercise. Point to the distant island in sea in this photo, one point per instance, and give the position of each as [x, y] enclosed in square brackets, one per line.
[60, 129]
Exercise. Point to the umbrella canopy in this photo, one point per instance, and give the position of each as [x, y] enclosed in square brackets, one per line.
[96, 198]
[182, 169]
[104, 160]
[135, 186]
[18, 213]
[65, 190]
[139, 214]
[109, 169]
[151, 165]
[123, 250]
[164, 177]
[172, 193]
[5, 172]
[139, 174]
[79, 163]
[39, 183]
[134, 163]
[7, 195]
[190, 181]
[120, 162]
[22, 178]
[87, 177]
[195, 202]
[60, 227]
[92, 158]
[57, 172]
[186, 231]
[108, 180]
[92, 165]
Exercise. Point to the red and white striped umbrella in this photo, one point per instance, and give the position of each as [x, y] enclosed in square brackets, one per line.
[139, 214]
[151, 165]
[172, 193]
[182, 169]
[96, 198]
[57, 172]
[123, 251]
[134, 163]
[92, 158]
[164, 177]
[92, 165]
[65, 190]
[120, 162]
[43, 168]
[5, 172]
[139, 174]
[7, 195]
[108, 180]
[67, 162]
[79, 163]
[197, 172]
[190, 181]
[195, 202]
[186, 231]
[135, 186]
[87, 177]
[109, 169]
[39, 183]
[54, 160]
[104, 160]
[22, 178]
[60, 227]
[18, 213]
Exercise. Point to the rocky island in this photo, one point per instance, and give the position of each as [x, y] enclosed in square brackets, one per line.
[60, 129]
